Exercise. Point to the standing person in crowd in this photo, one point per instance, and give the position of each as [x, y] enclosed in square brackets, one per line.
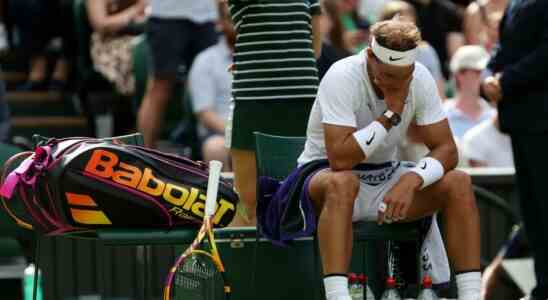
[334, 46]
[39, 22]
[440, 22]
[115, 23]
[467, 109]
[177, 31]
[426, 54]
[520, 67]
[480, 19]
[275, 81]
[348, 170]
[209, 85]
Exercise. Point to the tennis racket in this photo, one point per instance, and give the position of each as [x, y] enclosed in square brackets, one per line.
[198, 274]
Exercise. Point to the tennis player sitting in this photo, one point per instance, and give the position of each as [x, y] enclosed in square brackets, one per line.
[364, 106]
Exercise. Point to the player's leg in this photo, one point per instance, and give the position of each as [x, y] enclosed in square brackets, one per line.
[245, 182]
[166, 40]
[213, 148]
[454, 198]
[334, 194]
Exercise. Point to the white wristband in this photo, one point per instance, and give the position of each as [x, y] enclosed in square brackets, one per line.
[370, 137]
[430, 170]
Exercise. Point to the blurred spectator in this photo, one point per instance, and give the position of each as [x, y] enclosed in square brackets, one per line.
[481, 21]
[440, 22]
[177, 31]
[38, 22]
[356, 32]
[275, 82]
[115, 22]
[210, 89]
[4, 114]
[467, 109]
[371, 9]
[484, 145]
[426, 54]
[518, 86]
[334, 46]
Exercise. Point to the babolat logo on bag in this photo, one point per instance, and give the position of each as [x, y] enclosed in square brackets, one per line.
[188, 202]
[74, 185]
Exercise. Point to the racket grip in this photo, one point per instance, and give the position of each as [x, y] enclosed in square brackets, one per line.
[215, 167]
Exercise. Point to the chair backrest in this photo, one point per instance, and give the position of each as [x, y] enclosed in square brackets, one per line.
[276, 156]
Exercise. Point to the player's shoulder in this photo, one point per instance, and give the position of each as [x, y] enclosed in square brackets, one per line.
[348, 68]
[422, 78]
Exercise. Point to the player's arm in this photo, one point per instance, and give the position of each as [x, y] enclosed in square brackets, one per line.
[343, 143]
[438, 138]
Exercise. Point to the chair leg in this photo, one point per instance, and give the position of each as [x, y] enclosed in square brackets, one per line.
[36, 267]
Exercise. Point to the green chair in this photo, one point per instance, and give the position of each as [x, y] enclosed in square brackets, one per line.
[276, 157]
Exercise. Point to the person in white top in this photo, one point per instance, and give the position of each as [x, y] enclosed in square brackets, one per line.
[176, 31]
[467, 109]
[486, 146]
[364, 106]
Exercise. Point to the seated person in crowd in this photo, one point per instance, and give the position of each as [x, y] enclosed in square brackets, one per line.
[38, 24]
[334, 46]
[115, 22]
[210, 90]
[348, 170]
[484, 145]
[467, 109]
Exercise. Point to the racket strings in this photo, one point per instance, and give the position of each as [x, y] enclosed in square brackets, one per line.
[198, 279]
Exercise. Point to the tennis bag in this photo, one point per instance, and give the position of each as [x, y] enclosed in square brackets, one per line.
[80, 185]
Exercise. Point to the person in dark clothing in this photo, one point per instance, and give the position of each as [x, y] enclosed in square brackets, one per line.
[520, 67]
[440, 23]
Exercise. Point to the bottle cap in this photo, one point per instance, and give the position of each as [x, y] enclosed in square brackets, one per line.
[427, 282]
[390, 282]
[352, 278]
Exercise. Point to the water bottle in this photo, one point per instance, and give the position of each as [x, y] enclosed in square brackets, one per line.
[368, 292]
[28, 283]
[354, 287]
[427, 293]
[391, 293]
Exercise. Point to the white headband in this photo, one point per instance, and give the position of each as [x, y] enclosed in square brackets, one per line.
[393, 57]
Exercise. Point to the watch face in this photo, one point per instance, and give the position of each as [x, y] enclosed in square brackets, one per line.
[396, 119]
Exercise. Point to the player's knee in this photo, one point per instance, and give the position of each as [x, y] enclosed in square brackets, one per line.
[459, 188]
[344, 186]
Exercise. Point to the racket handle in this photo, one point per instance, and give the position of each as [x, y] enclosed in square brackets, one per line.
[215, 167]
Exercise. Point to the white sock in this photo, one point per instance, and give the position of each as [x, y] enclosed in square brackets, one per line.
[469, 285]
[336, 287]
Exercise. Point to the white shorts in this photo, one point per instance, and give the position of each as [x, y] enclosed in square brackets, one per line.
[375, 182]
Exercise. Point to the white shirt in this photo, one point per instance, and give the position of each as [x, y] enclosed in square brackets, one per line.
[198, 11]
[346, 98]
[209, 81]
[460, 122]
[485, 143]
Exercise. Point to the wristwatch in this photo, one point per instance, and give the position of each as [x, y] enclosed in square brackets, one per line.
[393, 117]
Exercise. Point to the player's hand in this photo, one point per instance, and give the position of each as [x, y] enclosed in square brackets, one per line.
[395, 96]
[492, 89]
[398, 199]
